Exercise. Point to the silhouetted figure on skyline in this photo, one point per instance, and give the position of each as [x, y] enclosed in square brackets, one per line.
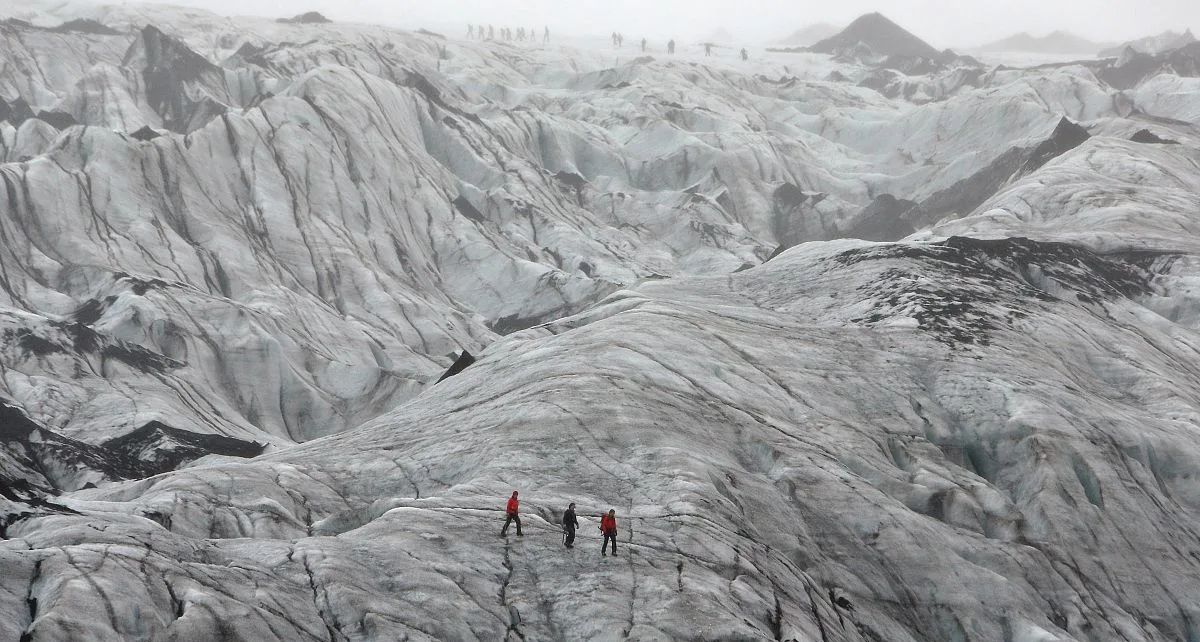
[745, 54]
[671, 46]
[546, 37]
[643, 45]
[708, 49]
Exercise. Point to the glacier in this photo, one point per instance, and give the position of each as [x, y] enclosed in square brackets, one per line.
[860, 346]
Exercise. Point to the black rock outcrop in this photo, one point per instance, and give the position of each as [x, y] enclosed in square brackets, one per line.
[145, 133]
[1067, 136]
[173, 72]
[1149, 137]
[464, 360]
[156, 448]
[59, 120]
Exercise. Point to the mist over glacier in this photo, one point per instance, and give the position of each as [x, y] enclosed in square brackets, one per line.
[863, 341]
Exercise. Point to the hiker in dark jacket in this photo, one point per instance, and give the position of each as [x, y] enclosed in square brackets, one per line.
[512, 516]
[570, 523]
[608, 526]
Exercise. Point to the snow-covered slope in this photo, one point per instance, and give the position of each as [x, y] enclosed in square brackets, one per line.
[915, 338]
[941, 432]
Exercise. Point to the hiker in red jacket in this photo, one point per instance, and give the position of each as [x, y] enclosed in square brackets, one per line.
[511, 511]
[608, 525]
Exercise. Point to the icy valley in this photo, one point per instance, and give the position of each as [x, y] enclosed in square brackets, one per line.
[864, 341]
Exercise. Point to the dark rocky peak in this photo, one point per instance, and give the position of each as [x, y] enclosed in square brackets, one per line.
[1149, 137]
[880, 34]
[15, 112]
[145, 133]
[183, 87]
[156, 52]
[83, 25]
[464, 361]
[306, 18]
[1066, 136]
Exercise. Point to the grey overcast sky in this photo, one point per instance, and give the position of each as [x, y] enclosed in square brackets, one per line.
[943, 23]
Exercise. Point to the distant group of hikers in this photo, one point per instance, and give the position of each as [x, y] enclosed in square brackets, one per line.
[618, 41]
[478, 32]
[570, 523]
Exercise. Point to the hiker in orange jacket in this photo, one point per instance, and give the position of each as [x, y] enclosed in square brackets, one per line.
[608, 526]
[511, 515]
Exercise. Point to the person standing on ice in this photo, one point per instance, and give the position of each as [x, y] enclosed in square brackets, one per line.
[570, 523]
[745, 54]
[546, 36]
[608, 526]
[511, 515]
[643, 45]
[708, 49]
[671, 46]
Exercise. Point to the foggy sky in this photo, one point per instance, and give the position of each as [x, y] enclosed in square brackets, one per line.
[943, 23]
